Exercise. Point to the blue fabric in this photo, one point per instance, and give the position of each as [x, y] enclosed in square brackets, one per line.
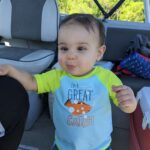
[137, 64]
[84, 130]
[55, 148]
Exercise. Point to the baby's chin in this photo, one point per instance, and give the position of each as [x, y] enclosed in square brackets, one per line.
[77, 72]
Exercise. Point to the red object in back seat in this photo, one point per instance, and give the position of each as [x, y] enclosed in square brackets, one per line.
[139, 138]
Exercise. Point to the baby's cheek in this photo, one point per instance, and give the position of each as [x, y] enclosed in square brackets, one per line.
[60, 60]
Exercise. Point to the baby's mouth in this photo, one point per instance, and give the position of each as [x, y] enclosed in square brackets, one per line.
[71, 66]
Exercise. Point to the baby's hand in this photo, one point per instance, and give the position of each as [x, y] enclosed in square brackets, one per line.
[126, 98]
[4, 69]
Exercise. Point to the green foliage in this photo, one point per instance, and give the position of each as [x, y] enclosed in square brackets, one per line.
[131, 10]
[76, 6]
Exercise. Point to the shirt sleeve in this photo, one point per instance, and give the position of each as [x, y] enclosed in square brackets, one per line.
[47, 82]
[113, 80]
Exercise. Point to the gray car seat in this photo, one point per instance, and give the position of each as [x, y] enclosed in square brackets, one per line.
[32, 23]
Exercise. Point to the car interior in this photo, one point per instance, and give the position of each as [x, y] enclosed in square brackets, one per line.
[28, 41]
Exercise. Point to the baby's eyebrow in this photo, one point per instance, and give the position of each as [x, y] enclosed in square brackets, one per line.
[83, 43]
[61, 43]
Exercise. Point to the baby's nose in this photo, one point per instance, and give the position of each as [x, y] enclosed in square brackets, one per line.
[72, 55]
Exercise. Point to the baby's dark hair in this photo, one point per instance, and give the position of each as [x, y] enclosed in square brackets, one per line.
[89, 22]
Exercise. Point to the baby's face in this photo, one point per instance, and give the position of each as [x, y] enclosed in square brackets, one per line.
[78, 49]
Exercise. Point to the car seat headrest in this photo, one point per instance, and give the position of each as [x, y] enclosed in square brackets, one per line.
[29, 19]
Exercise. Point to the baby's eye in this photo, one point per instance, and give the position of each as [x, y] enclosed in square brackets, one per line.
[63, 48]
[81, 48]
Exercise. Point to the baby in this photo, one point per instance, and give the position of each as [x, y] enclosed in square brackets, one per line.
[81, 109]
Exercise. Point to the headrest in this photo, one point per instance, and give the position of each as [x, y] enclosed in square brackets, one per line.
[29, 19]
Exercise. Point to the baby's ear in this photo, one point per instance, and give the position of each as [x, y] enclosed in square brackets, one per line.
[101, 51]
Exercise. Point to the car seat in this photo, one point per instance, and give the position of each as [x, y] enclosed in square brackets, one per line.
[28, 32]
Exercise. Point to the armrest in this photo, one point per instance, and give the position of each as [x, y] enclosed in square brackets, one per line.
[143, 97]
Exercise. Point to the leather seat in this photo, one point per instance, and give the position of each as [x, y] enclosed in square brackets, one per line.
[26, 26]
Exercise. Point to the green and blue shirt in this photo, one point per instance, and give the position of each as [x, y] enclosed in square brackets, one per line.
[81, 109]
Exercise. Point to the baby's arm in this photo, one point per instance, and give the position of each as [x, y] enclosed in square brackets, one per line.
[126, 98]
[25, 78]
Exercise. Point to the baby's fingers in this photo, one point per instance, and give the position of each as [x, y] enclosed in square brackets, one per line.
[123, 96]
[3, 70]
[119, 88]
[124, 104]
